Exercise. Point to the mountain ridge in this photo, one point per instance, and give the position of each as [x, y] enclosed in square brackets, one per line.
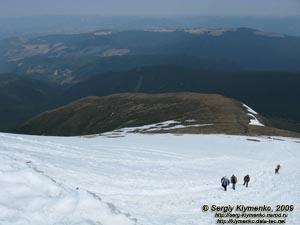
[94, 115]
[244, 48]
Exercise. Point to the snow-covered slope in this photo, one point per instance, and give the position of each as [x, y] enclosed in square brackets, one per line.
[28, 196]
[159, 179]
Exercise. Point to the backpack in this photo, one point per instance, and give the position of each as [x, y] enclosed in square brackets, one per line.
[233, 179]
[225, 182]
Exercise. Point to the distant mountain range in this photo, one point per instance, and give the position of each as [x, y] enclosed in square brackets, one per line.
[68, 59]
[255, 67]
[42, 25]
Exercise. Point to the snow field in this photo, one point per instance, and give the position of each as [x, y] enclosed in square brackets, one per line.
[158, 179]
[27, 196]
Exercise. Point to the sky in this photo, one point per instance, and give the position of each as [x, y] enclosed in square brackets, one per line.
[17, 8]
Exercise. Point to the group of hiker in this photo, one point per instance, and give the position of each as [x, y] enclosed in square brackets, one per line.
[225, 182]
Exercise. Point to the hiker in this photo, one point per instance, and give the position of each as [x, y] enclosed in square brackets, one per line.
[246, 180]
[277, 169]
[233, 181]
[225, 182]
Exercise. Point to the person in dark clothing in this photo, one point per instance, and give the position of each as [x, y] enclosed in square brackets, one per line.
[277, 169]
[246, 180]
[233, 181]
[225, 182]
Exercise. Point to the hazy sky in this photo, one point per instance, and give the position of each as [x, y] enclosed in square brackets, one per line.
[13, 8]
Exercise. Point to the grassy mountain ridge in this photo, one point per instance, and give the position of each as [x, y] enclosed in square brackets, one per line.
[101, 114]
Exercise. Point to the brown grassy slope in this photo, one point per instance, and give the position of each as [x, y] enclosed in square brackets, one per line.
[100, 114]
